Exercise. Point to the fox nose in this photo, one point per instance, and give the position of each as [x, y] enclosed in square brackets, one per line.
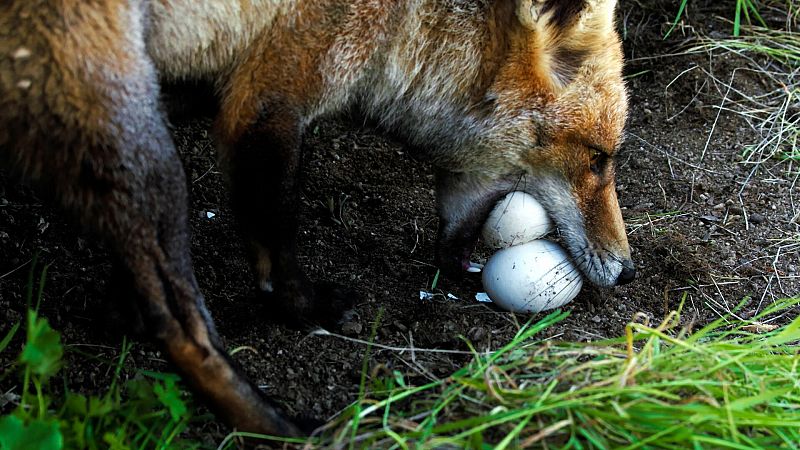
[628, 273]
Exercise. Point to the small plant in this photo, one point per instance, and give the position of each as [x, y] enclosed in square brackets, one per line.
[744, 9]
[731, 384]
[147, 411]
[774, 56]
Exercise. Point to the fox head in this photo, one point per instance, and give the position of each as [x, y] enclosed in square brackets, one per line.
[569, 56]
[558, 109]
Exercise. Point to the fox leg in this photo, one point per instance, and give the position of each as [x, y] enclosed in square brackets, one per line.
[80, 117]
[266, 103]
[153, 244]
[136, 198]
[264, 162]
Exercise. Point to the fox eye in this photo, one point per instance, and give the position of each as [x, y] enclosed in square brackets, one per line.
[598, 160]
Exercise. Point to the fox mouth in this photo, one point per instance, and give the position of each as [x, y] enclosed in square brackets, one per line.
[600, 265]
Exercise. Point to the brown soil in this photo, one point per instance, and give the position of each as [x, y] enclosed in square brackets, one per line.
[369, 222]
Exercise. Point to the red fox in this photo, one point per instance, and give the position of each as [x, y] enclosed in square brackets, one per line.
[499, 95]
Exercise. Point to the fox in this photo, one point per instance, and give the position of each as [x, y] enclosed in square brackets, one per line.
[498, 95]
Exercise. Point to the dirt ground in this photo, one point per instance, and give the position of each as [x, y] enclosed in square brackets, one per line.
[700, 225]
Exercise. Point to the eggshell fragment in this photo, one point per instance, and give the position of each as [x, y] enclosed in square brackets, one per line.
[517, 219]
[531, 277]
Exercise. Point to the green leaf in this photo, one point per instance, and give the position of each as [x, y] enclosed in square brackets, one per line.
[170, 395]
[737, 20]
[747, 403]
[100, 406]
[10, 335]
[38, 435]
[78, 438]
[398, 378]
[677, 17]
[75, 405]
[43, 350]
[138, 388]
[115, 441]
[789, 333]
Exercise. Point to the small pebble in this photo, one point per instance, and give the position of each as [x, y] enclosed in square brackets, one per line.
[757, 218]
[352, 328]
[476, 334]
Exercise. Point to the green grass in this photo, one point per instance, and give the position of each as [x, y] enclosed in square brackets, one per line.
[728, 385]
[772, 56]
[147, 411]
[774, 115]
[745, 11]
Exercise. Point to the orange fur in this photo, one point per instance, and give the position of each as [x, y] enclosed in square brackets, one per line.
[498, 94]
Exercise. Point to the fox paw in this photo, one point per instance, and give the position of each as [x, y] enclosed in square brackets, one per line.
[325, 304]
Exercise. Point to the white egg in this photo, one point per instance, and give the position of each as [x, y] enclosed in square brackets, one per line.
[531, 277]
[517, 219]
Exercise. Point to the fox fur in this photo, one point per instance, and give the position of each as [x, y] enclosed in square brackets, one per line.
[499, 95]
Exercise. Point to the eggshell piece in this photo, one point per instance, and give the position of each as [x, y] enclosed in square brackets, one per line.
[517, 219]
[531, 277]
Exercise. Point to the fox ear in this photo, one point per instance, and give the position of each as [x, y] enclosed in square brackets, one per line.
[597, 15]
[529, 11]
[561, 14]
